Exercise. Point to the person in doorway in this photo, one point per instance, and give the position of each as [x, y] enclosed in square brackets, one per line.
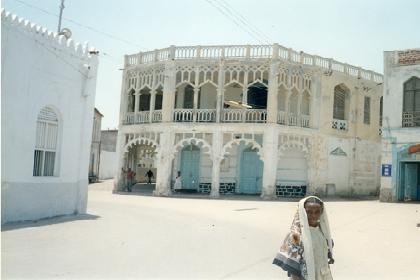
[306, 252]
[178, 182]
[130, 179]
[149, 175]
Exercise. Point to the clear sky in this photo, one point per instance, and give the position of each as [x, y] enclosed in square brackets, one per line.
[356, 32]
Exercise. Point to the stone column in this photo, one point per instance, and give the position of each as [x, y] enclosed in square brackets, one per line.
[136, 101]
[272, 100]
[220, 91]
[152, 103]
[119, 176]
[217, 146]
[164, 165]
[195, 107]
[168, 101]
[270, 154]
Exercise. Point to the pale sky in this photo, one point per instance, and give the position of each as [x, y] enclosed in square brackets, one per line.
[356, 32]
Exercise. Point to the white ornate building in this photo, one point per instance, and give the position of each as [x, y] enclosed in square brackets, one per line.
[48, 87]
[251, 119]
[401, 126]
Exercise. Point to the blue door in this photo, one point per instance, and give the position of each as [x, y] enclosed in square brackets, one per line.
[251, 172]
[411, 181]
[190, 167]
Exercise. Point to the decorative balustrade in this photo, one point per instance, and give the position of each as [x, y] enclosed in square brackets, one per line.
[183, 115]
[411, 119]
[136, 118]
[157, 116]
[293, 120]
[206, 115]
[339, 124]
[244, 115]
[248, 52]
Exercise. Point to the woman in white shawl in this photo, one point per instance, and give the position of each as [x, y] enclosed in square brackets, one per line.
[306, 252]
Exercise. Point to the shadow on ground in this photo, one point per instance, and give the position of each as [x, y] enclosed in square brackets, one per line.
[48, 221]
[147, 190]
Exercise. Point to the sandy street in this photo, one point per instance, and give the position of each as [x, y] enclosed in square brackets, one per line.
[137, 236]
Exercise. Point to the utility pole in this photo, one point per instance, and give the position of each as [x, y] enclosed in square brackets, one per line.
[61, 13]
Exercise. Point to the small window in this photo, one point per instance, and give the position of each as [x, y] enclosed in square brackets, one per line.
[366, 110]
[46, 143]
[340, 105]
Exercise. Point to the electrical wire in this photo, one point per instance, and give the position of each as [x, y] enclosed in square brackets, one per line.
[82, 25]
[233, 20]
[244, 21]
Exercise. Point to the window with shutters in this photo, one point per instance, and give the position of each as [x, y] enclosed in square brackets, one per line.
[366, 110]
[340, 109]
[411, 103]
[46, 143]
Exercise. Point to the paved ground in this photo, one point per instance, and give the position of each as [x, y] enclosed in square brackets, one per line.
[139, 236]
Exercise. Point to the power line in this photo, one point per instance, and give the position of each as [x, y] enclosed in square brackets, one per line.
[234, 21]
[241, 18]
[81, 25]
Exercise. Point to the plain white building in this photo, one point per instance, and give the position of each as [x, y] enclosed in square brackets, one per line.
[400, 170]
[247, 119]
[95, 148]
[48, 92]
[109, 159]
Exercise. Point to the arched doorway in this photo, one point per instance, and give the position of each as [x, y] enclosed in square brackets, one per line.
[251, 171]
[190, 167]
[257, 96]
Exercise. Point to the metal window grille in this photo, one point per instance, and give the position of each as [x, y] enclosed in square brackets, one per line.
[339, 103]
[46, 143]
[411, 104]
[366, 110]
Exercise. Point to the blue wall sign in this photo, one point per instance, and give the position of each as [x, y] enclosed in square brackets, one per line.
[386, 170]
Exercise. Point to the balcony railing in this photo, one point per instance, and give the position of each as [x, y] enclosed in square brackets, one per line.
[292, 120]
[249, 52]
[157, 116]
[206, 115]
[244, 115]
[137, 118]
[183, 115]
[411, 119]
[339, 124]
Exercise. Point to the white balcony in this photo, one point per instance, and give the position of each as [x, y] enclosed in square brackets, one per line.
[340, 124]
[137, 118]
[244, 115]
[157, 116]
[293, 120]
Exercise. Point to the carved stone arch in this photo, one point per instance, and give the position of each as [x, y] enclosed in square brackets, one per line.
[207, 82]
[294, 143]
[233, 83]
[204, 146]
[141, 140]
[184, 82]
[145, 87]
[253, 143]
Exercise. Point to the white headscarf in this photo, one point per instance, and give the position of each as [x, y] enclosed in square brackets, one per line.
[308, 253]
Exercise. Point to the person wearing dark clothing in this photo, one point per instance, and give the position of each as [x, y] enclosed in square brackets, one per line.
[149, 175]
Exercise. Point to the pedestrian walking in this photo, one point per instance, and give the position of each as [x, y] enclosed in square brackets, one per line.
[178, 181]
[306, 253]
[149, 175]
[130, 179]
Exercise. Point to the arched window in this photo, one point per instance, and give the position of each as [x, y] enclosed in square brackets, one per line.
[144, 102]
[306, 103]
[188, 97]
[46, 143]
[159, 98]
[341, 103]
[411, 104]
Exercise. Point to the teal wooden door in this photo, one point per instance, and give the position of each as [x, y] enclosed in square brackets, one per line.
[190, 167]
[411, 181]
[251, 172]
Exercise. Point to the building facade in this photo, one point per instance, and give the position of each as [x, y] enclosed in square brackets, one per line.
[48, 92]
[400, 179]
[247, 119]
[95, 147]
[109, 160]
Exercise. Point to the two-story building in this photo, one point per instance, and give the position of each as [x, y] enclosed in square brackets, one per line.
[400, 179]
[251, 119]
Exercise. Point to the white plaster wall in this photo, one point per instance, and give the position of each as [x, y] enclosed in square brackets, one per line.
[34, 75]
[208, 98]
[339, 166]
[108, 166]
[395, 77]
[292, 166]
